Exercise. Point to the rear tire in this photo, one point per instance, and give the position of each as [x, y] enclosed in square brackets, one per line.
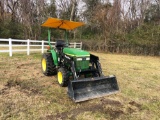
[62, 77]
[47, 65]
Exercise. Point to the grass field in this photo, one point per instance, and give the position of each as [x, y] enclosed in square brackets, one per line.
[26, 94]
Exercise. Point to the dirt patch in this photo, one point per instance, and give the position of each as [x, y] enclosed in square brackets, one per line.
[4, 91]
[73, 113]
[133, 103]
[27, 86]
[12, 83]
[111, 102]
[94, 108]
[109, 107]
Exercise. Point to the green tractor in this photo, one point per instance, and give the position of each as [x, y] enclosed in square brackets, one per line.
[75, 68]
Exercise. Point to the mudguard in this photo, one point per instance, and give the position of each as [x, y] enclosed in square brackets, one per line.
[55, 57]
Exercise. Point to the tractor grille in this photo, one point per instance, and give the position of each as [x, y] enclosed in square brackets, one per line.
[82, 65]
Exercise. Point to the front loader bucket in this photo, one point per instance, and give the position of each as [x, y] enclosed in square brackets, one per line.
[89, 88]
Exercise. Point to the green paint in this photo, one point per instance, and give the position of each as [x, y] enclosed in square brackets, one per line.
[66, 38]
[75, 52]
[54, 56]
[80, 65]
[53, 52]
[49, 39]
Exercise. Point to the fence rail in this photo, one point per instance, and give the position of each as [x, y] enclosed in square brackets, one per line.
[29, 43]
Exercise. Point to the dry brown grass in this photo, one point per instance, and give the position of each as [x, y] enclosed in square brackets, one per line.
[25, 93]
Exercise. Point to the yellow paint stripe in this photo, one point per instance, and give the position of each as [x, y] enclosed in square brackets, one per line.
[77, 55]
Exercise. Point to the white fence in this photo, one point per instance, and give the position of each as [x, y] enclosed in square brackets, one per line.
[28, 44]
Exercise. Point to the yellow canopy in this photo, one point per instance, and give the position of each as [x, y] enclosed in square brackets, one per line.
[62, 24]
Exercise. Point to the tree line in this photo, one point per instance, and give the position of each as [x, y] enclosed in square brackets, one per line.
[119, 26]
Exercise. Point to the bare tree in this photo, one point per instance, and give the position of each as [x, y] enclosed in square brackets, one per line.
[74, 4]
[12, 7]
[2, 10]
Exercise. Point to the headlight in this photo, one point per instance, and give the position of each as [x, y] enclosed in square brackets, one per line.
[79, 59]
[87, 58]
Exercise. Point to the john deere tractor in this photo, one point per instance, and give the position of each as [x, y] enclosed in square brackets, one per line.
[75, 68]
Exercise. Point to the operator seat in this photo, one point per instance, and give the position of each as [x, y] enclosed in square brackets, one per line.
[60, 44]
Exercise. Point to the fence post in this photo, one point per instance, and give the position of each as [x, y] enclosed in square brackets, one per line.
[28, 51]
[74, 44]
[81, 46]
[42, 46]
[10, 47]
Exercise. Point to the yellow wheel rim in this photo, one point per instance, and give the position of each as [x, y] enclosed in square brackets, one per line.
[44, 64]
[60, 78]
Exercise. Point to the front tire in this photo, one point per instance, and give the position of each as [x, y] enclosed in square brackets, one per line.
[47, 64]
[62, 77]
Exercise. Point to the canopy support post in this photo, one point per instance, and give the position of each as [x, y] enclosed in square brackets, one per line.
[49, 38]
[66, 37]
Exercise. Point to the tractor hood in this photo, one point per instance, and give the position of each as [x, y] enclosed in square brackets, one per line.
[75, 52]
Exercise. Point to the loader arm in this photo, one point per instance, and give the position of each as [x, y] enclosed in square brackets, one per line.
[82, 89]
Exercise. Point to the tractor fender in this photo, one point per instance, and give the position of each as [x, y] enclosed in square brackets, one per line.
[54, 57]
